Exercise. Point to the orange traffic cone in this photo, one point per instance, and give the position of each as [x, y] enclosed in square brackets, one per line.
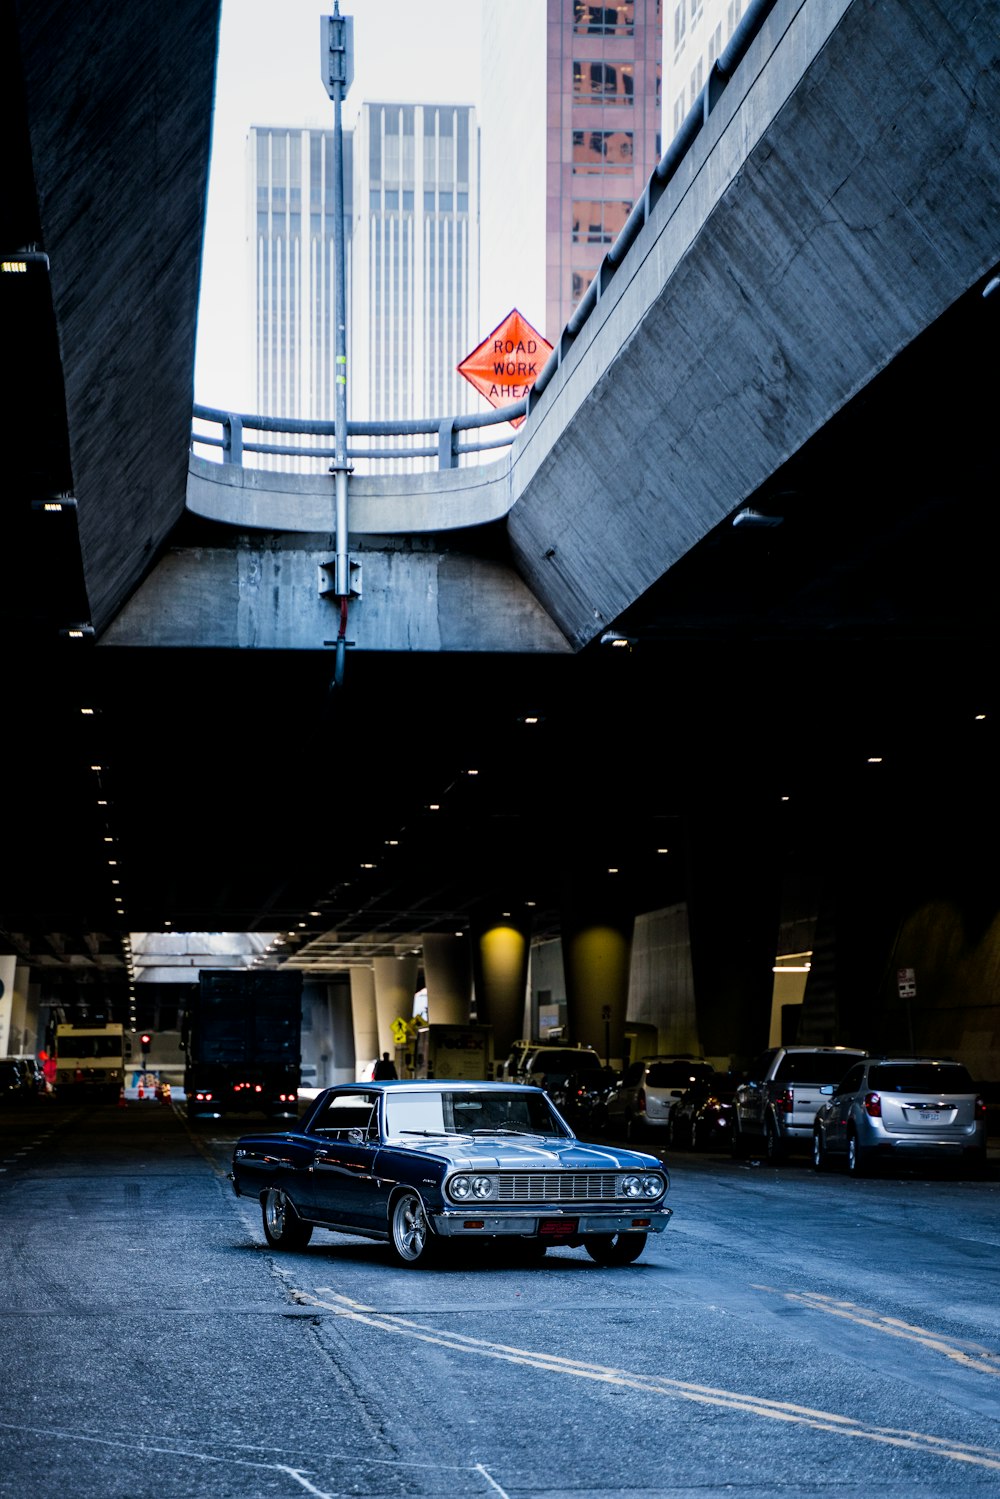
[141, 1092]
[122, 1100]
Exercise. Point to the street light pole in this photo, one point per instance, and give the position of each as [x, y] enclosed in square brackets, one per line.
[337, 48]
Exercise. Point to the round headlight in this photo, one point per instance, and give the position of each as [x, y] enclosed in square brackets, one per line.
[459, 1187]
[652, 1186]
[631, 1186]
[482, 1186]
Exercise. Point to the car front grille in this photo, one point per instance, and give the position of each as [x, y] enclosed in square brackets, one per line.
[557, 1186]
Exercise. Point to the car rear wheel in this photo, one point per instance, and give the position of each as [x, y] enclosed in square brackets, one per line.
[614, 1249]
[283, 1228]
[774, 1148]
[409, 1232]
[857, 1156]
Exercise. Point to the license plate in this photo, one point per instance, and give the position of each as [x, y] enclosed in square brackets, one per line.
[555, 1226]
[928, 1116]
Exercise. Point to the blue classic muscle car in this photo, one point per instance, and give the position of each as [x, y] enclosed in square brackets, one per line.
[421, 1163]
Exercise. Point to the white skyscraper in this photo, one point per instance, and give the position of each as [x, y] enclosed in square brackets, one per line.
[411, 179]
[415, 302]
[290, 211]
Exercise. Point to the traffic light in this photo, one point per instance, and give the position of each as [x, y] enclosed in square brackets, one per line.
[144, 1042]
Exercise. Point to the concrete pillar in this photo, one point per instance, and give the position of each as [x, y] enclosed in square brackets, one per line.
[597, 956]
[8, 967]
[364, 1021]
[734, 910]
[500, 965]
[395, 986]
[341, 1067]
[448, 975]
[19, 1040]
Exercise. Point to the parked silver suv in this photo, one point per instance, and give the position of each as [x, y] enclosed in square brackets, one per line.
[901, 1108]
[775, 1106]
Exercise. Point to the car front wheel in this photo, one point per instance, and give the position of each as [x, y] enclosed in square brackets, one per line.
[820, 1161]
[409, 1232]
[614, 1249]
[857, 1156]
[283, 1228]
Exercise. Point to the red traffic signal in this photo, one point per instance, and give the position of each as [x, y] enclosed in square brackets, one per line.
[144, 1041]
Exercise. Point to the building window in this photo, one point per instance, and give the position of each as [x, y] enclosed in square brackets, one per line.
[680, 24]
[606, 151]
[603, 82]
[733, 13]
[697, 79]
[697, 8]
[598, 223]
[715, 44]
[603, 20]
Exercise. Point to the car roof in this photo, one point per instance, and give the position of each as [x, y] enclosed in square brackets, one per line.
[430, 1085]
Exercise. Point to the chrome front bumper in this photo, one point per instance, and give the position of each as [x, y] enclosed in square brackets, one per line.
[453, 1224]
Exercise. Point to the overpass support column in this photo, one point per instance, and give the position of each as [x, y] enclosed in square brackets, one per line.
[597, 958]
[8, 968]
[395, 986]
[500, 967]
[734, 912]
[448, 975]
[364, 1019]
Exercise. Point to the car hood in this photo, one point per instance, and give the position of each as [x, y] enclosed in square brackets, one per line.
[499, 1152]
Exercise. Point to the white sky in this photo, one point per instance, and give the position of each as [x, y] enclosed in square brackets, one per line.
[419, 51]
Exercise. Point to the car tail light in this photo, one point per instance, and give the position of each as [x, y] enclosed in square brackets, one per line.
[783, 1102]
[980, 1108]
[640, 1100]
[873, 1105]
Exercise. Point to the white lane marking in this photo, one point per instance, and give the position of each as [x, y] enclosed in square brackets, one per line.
[52, 1433]
[300, 1478]
[553, 1363]
[491, 1481]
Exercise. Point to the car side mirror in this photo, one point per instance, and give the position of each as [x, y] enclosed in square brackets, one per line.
[827, 1088]
[355, 1136]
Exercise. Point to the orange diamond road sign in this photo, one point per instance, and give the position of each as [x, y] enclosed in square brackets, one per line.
[507, 363]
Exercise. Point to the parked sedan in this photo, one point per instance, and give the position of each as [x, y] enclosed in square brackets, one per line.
[901, 1108]
[420, 1163]
[703, 1116]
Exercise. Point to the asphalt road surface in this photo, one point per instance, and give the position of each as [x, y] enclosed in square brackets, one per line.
[789, 1334]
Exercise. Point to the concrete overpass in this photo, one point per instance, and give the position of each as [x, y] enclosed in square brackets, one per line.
[803, 296]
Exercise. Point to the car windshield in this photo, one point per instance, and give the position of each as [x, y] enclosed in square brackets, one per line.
[467, 1112]
[677, 1074]
[565, 1061]
[921, 1077]
[815, 1066]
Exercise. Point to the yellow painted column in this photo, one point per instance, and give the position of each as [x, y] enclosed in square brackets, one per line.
[500, 965]
[597, 960]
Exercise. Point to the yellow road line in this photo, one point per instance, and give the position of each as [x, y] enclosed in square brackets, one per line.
[970, 1355]
[653, 1384]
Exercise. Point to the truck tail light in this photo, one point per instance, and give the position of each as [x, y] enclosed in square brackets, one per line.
[873, 1105]
[784, 1102]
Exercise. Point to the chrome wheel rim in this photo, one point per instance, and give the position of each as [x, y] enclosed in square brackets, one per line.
[409, 1227]
[274, 1211]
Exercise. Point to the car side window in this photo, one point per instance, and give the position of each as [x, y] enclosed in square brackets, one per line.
[345, 1112]
[634, 1074]
[852, 1082]
[758, 1068]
